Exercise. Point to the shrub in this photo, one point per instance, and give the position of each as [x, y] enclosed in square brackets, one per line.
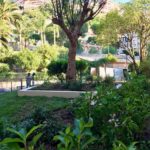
[22, 137]
[57, 68]
[75, 86]
[118, 114]
[108, 80]
[49, 53]
[77, 138]
[91, 40]
[145, 67]
[5, 52]
[81, 67]
[51, 126]
[4, 68]
[28, 60]
[89, 78]
[11, 61]
[93, 51]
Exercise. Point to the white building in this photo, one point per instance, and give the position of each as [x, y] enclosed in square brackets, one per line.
[129, 42]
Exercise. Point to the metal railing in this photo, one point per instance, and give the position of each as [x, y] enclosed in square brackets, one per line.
[15, 84]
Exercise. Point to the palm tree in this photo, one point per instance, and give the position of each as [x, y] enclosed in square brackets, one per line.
[8, 17]
[41, 22]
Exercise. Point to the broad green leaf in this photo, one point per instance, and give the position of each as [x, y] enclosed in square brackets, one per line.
[11, 140]
[36, 138]
[14, 146]
[16, 132]
[68, 129]
[32, 130]
[89, 124]
[60, 138]
[89, 141]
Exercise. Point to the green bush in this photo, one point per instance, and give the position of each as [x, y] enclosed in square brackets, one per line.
[89, 78]
[28, 60]
[57, 68]
[93, 51]
[49, 53]
[11, 61]
[51, 126]
[77, 138]
[91, 40]
[145, 68]
[5, 52]
[4, 68]
[108, 80]
[118, 114]
[21, 139]
[81, 67]
[75, 86]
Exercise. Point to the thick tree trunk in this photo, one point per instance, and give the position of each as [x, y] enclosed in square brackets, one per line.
[71, 69]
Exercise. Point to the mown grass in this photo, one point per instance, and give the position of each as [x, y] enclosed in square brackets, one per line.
[15, 108]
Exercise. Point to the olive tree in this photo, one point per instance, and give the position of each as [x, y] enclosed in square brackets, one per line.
[71, 15]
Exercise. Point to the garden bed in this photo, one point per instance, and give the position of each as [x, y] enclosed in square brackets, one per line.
[75, 86]
[50, 93]
[57, 90]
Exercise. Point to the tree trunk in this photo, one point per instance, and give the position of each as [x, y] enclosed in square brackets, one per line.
[71, 68]
[20, 40]
[135, 66]
[143, 54]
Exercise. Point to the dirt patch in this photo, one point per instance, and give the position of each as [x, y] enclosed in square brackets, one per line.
[77, 86]
[65, 116]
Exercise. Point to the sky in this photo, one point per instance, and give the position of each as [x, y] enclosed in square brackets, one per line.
[121, 1]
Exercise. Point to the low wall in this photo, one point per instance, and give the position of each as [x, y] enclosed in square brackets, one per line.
[49, 93]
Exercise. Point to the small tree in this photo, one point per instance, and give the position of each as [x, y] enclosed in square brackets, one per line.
[71, 15]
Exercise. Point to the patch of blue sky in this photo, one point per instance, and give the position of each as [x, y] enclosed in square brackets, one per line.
[121, 1]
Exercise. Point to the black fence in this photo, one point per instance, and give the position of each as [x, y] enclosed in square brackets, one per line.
[18, 81]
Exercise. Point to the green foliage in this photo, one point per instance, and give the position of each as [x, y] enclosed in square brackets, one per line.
[118, 114]
[4, 68]
[106, 28]
[93, 51]
[57, 68]
[103, 61]
[108, 80]
[77, 138]
[75, 86]
[89, 78]
[81, 67]
[49, 53]
[91, 40]
[84, 29]
[22, 138]
[51, 124]
[118, 145]
[111, 58]
[4, 53]
[145, 68]
[28, 60]
[110, 49]
[12, 61]
[8, 17]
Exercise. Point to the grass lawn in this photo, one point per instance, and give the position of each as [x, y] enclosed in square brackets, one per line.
[15, 108]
